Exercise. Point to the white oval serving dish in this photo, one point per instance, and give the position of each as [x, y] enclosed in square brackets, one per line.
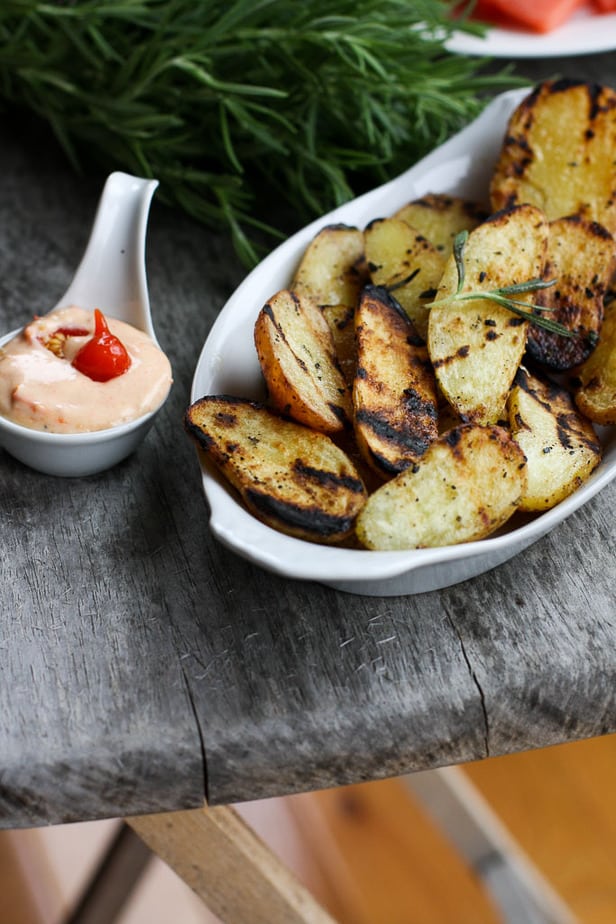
[228, 364]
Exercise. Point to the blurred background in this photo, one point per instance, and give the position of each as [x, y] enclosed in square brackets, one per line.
[370, 853]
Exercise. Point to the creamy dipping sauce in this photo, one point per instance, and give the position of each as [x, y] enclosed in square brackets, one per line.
[40, 389]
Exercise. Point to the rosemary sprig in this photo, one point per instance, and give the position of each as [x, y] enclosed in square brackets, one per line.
[255, 115]
[502, 295]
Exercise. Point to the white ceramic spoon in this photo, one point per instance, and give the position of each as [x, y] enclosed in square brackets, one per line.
[110, 274]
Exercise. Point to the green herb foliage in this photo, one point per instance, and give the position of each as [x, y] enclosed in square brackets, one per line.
[240, 107]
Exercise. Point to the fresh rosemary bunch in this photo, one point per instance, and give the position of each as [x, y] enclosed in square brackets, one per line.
[243, 108]
[503, 295]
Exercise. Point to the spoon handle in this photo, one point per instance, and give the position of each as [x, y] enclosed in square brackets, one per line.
[111, 275]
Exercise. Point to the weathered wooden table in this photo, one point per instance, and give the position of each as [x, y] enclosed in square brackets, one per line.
[144, 666]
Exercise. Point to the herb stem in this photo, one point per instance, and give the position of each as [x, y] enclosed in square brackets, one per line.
[502, 295]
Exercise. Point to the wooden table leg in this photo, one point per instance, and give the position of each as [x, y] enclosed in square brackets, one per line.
[219, 856]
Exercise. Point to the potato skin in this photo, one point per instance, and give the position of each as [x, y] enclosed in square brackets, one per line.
[292, 478]
[595, 380]
[467, 485]
[476, 346]
[558, 153]
[580, 257]
[394, 393]
[298, 360]
[560, 444]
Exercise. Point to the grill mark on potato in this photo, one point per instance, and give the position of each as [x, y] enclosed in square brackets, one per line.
[460, 353]
[381, 427]
[226, 420]
[568, 433]
[453, 437]
[416, 404]
[339, 412]
[383, 295]
[563, 84]
[204, 439]
[311, 519]
[561, 353]
[327, 478]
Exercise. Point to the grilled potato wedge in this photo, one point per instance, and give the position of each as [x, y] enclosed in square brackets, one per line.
[292, 478]
[560, 444]
[341, 321]
[580, 257]
[394, 394]
[439, 217]
[468, 484]
[596, 378]
[401, 259]
[332, 270]
[476, 346]
[558, 153]
[298, 360]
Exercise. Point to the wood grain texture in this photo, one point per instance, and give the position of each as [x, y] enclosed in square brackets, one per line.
[143, 663]
[207, 847]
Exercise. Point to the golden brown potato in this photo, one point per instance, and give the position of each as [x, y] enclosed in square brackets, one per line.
[294, 479]
[297, 356]
[341, 321]
[402, 260]
[596, 378]
[394, 394]
[558, 153]
[333, 269]
[439, 217]
[580, 257]
[467, 485]
[476, 346]
[560, 445]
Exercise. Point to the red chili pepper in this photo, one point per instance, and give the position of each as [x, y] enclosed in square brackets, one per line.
[103, 357]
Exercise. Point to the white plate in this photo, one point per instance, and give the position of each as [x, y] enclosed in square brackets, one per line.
[228, 365]
[584, 33]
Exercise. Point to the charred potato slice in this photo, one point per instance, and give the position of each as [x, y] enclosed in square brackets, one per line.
[297, 356]
[394, 394]
[332, 270]
[401, 259]
[560, 445]
[294, 479]
[558, 153]
[467, 485]
[439, 217]
[596, 378]
[580, 257]
[476, 346]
